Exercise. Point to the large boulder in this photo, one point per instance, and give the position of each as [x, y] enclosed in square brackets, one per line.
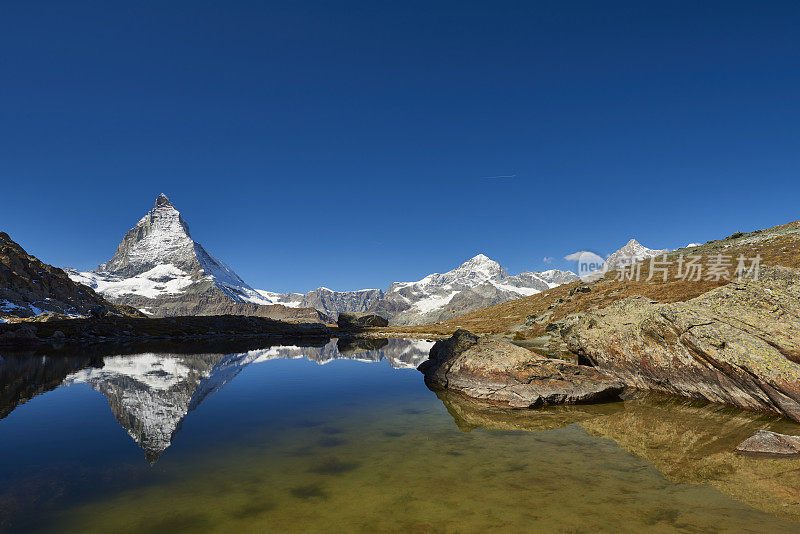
[500, 371]
[770, 443]
[737, 344]
[357, 321]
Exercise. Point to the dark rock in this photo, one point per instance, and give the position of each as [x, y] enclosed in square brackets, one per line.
[357, 321]
[552, 327]
[500, 371]
[18, 333]
[771, 443]
[98, 311]
[531, 320]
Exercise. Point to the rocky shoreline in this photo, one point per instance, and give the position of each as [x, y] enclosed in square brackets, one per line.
[98, 330]
[26, 333]
[500, 371]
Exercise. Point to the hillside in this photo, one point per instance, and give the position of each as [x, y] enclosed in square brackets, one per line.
[527, 318]
[29, 287]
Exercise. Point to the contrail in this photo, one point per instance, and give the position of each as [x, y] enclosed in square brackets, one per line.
[499, 176]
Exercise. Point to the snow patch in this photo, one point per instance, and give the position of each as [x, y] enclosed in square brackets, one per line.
[165, 279]
[152, 370]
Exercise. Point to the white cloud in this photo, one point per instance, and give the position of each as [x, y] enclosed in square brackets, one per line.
[576, 256]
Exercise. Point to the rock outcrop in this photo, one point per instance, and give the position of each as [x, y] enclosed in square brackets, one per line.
[737, 344]
[500, 371]
[770, 443]
[29, 287]
[357, 321]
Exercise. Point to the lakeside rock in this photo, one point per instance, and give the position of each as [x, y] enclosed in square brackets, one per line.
[356, 321]
[737, 344]
[770, 443]
[500, 371]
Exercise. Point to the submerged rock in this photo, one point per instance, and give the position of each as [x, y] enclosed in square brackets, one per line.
[689, 441]
[738, 344]
[500, 371]
[772, 443]
[353, 320]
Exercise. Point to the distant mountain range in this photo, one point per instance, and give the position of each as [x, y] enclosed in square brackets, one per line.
[477, 283]
[159, 269]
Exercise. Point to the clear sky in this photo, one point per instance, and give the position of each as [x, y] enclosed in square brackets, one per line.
[351, 144]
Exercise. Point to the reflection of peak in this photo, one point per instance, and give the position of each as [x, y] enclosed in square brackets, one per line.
[150, 394]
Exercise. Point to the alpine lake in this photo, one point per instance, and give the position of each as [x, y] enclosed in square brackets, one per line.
[346, 437]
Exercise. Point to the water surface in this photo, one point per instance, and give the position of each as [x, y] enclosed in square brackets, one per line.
[346, 437]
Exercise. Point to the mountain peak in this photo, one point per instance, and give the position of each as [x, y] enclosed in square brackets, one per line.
[632, 252]
[163, 202]
[480, 258]
[478, 267]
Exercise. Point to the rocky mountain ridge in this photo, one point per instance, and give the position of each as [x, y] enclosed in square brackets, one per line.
[475, 284]
[159, 269]
[30, 287]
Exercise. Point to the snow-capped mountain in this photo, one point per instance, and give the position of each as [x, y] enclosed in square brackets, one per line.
[632, 252]
[161, 270]
[475, 284]
[328, 301]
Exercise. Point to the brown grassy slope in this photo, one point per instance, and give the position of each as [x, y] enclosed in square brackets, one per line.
[777, 246]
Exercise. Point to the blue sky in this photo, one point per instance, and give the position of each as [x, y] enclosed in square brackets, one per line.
[352, 144]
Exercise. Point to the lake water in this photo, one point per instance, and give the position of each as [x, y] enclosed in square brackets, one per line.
[347, 438]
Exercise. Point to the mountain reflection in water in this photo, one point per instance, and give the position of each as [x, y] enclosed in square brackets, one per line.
[151, 393]
[296, 446]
